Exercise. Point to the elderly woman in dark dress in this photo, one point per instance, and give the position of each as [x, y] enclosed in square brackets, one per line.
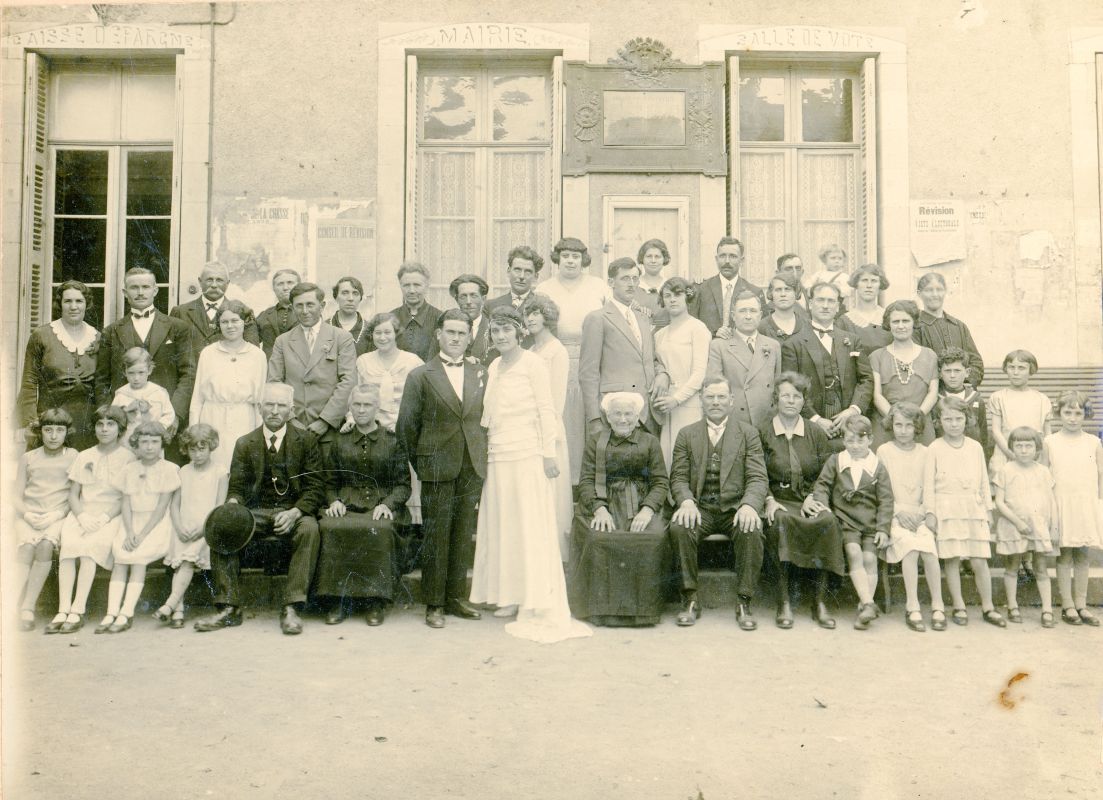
[367, 485]
[805, 533]
[620, 555]
[939, 331]
[59, 370]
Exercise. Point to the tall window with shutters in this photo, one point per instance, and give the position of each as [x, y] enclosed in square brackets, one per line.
[481, 167]
[100, 179]
[803, 163]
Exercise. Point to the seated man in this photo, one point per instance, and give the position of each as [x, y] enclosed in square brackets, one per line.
[367, 486]
[274, 473]
[718, 480]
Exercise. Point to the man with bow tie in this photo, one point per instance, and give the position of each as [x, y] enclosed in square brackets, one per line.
[440, 428]
[318, 360]
[202, 312]
[834, 362]
[168, 341]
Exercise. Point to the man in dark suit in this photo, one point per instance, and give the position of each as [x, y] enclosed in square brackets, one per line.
[417, 320]
[201, 312]
[167, 339]
[278, 319]
[715, 296]
[718, 481]
[833, 361]
[524, 265]
[275, 473]
[439, 425]
[470, 291]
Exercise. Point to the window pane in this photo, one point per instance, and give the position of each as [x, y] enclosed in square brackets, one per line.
[81, 182]
[149, 183]
[149, 106]
[762, 201]
[446, 209]
[827, 106]
[520, 106]
[147, 245]
[828, 185]
[80, 247]
[448, 107]
[86, 106]
[762, 109]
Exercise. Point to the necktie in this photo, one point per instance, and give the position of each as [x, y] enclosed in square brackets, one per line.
[309, 339]
[750, 344]
[212, 309]
[632, 326]
[824, 335]
[272, 445]
[727, 303]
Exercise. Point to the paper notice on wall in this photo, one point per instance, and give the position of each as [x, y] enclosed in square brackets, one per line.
[938, 231]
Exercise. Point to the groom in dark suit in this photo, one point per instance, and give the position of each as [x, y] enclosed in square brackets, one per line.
[275, 473]
[715, 296]
[166, 339]
[833, 361]
[439, 426]
[718, 480]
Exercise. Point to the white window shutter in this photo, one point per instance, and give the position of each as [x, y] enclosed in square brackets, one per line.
[556, 160]
[175, 288]
[412, 121]
[36, 262]
[734, 176]
[868, 156]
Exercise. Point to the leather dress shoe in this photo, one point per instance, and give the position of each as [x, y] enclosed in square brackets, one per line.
[375, 614]
[745, 617]
[784, 618]
[336, 615]
[690, 613]
[821, 617]
[290, 621]
[226, 617]
[434, 616]
[463, 610]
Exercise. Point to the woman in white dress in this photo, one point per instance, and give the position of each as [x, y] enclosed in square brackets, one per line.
[229, 379]
[541, 317]
[577, 294]
[387, 367]
[517, 561]
[683, 347]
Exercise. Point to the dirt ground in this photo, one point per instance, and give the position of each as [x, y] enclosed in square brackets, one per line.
[701, 714]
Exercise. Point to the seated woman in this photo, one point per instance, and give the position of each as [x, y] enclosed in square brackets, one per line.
[367, 485]
[620, 555]
[802, 530]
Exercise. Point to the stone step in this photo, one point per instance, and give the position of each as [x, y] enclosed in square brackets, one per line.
[715, 590]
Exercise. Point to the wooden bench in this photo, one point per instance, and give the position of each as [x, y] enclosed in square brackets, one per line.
[1051, 381]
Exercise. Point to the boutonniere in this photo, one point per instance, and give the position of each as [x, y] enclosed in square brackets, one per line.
[93, 348]
[846, 341]
[765, 351]
[327, 347]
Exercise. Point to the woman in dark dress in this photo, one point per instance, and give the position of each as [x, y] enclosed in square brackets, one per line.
[59, 369]
[620, 555]
[805, 533]
[367, 485]
[786, 317]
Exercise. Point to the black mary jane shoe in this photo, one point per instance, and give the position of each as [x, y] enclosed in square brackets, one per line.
[690, 613]
[914, 620]
[1087, 617]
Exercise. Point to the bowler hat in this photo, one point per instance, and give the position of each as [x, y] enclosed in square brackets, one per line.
[228, 528]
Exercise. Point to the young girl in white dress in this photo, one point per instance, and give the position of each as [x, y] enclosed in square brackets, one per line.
[141, 399]
[95, 502]
[1027, 521]
[41, 504]
[909, 538]
[1018, 405]
[958, 499]
[834, 272]
[203, 485]
[1076, 460]
[146, 531]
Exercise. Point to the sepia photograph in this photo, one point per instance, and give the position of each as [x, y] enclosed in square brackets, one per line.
[666, 401]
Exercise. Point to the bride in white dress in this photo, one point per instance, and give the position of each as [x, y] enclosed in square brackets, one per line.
[517, 560]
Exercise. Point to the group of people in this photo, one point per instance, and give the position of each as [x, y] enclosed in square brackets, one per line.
[586, 435]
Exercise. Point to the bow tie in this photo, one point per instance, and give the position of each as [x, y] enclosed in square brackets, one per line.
[143, 314]
[449, 363]
[822, 331]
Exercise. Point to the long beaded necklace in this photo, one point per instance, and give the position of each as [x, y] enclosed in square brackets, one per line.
[904, 369]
